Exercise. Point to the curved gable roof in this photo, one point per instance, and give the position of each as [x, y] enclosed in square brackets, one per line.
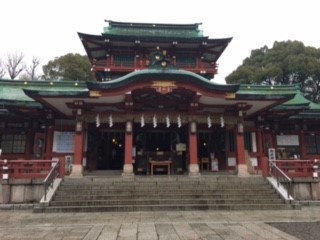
[162, 75]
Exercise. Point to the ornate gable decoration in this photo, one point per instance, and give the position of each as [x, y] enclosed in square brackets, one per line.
[160, 58]
[164, 87]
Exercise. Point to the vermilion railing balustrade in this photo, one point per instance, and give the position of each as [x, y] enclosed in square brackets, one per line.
[297, 168]
[26, 169]
[134, 65]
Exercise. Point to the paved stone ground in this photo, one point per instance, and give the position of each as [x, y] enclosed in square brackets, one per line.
[189, 225]
[302, 230]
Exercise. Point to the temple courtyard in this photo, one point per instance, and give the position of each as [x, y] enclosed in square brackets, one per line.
[286, 224]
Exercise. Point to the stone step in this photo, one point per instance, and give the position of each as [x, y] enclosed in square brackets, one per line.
[177, 196]
[165, 180]
[162, 185]
[165, 191]
[165, 202]
[164, 177]
[172, 207]
[168, 186]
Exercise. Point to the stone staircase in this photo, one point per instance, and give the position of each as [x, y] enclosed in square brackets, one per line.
[157, 193]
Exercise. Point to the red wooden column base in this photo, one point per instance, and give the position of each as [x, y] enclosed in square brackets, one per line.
[193, 155]
[77, 168]
[265, 167]
[259, 148]
[241, 157]
[128, 167]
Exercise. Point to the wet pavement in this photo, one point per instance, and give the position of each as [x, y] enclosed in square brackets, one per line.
[301, 230]
[191, 225]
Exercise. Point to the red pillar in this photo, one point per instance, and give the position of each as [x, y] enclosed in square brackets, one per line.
[240, 149]
[128, 168]
[128, 149]
[259, 142]
[193, 150]
[48, 143]
[259, 148]
[265, 167]
[303, 150]
[240, 154]
[77, 168]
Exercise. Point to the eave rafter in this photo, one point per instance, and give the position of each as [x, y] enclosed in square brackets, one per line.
[128, 102]
[213, 52]
[100, 48]
[194, 103]
[32, 112]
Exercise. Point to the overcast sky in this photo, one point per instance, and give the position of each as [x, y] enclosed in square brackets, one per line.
[48, 28]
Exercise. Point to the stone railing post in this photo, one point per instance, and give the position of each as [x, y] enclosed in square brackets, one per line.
[6, 190]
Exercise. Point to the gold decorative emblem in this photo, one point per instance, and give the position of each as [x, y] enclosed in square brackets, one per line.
[160, 58]
[230, 96]
[164, 87]
[95, 94]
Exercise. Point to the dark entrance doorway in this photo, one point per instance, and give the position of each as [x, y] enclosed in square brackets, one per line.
[211, 146]
[105, 149]
[160, 143]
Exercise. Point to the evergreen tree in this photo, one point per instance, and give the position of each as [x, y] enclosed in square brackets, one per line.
[287, 62]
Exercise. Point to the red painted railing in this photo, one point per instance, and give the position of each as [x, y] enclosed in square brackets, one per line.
[297, 168]
[139, 65]
[28, 169]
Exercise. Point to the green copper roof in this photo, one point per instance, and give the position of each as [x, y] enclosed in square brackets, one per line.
[303, 108]
[153, 30]
[13, 90]
[312, 112]
[299, 102]
[314, 106]
[28, 104]
[161, 75]
[296, 103]
[264, 92]
[298, 99]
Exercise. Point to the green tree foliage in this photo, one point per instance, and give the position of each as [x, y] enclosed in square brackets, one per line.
[69, 67]
[287, 62]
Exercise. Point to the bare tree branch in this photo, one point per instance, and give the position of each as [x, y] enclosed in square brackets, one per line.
[2, 70]
[24, 77]
[32, 69]
[15, 64]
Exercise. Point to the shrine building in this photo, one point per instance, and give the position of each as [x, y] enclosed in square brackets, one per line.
[154, 109]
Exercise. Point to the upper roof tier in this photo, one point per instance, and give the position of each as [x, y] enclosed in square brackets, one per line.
[153, 29]
[146, 37]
